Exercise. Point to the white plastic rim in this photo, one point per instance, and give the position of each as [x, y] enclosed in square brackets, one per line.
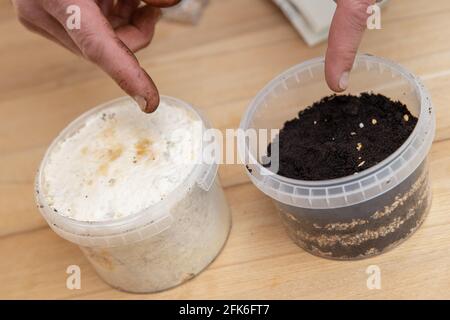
[350, 190]
[132, 228]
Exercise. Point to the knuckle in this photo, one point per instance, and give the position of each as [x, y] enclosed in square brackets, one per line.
[91, 47]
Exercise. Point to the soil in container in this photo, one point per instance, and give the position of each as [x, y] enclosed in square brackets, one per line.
[341, 136]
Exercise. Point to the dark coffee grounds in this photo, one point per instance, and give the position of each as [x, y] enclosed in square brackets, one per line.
[342, 135]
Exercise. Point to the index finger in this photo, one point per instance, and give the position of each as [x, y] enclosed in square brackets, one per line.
[346, 31]
[99, 43]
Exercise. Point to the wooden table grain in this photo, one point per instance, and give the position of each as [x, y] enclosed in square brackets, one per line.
[218, 65]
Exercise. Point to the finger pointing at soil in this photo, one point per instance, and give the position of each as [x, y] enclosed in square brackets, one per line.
[347, 28]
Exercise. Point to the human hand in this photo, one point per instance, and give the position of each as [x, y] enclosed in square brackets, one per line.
[347, 28]
[108, 35]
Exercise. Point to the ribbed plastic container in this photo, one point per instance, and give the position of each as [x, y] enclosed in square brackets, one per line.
[160, 247]
[355, 216]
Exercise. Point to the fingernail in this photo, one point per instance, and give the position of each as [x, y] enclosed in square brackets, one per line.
[141, 102]
[343, 82]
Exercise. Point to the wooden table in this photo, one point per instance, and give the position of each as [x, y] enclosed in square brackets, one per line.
[218, 66]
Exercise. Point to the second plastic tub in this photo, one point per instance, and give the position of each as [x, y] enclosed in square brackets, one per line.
[356, 216]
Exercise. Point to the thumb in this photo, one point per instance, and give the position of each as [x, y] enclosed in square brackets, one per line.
[347, 29]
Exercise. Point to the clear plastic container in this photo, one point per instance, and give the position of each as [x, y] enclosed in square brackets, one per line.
[355, 216]
[160, 247]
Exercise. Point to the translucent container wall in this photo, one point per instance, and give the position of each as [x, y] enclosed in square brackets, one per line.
[160, 247]
[360, 215]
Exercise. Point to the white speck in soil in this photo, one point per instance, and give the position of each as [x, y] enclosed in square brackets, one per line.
[359, 146]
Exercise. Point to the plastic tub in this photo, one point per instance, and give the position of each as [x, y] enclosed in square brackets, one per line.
[355, 216]
[160, 247]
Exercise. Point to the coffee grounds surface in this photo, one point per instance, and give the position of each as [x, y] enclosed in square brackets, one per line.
[342, 135]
